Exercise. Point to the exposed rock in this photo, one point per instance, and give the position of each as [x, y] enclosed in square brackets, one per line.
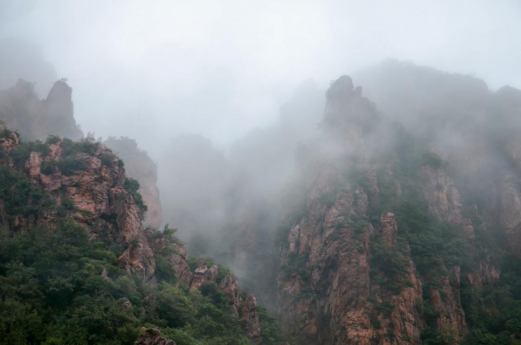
[98, 197]
[198, 277]
[59, 109]
[230, 288]
[139, 166]
[175, 254]
[389, 228]
[211, 274]
[21, 110]
[441, 194]
[250, 319]
[153, 337]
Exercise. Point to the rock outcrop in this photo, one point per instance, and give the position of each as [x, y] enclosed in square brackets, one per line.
[35, 119]
[325, 273]
[347, 274]
[153, 337]
[21, 110]
[250, 319]
[87, 183]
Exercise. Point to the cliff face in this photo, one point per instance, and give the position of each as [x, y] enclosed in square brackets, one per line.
[87, 181]
[139, 166]
[382, 245]
[84, 181]
[35, 119]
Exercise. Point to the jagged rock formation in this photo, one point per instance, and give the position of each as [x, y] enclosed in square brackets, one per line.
[353, 272]
[153, 337]
[21, 110]
[34, 119]
[246, 307]
[86, 182]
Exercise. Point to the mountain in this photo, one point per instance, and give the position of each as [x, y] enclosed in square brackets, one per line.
[23, 111]
[77, 265]
[404, 227]
[34, 119]
[387, 213]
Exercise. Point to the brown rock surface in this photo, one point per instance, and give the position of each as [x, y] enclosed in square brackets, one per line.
[139, 166]
[250, 319]
[153, 337]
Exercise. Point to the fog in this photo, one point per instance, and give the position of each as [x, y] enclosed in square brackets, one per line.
[158, 69]
[223, 95]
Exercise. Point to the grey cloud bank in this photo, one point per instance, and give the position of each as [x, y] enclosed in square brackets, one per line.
[158, 69]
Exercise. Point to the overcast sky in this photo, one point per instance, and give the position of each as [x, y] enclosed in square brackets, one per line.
[154, 69]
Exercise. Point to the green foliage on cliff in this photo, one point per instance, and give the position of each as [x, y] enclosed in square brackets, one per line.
[23, 151]
[19, 196]
[493, 312]
[62, 285]
[388, 266]
[87, 146]
[132, 186]
[69, 166]
[52, 292]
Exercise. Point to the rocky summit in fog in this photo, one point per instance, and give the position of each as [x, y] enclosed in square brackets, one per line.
[403, 234]
[395, 223]
[73, 221]
[384, 210]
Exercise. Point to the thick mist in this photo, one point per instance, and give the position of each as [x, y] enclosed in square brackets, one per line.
[155, 71]
[226, 96]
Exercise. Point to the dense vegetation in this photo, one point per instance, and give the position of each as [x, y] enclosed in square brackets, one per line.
[132, 186]
[52, 292]
[61, 285]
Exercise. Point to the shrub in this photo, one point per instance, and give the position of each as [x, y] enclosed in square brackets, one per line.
[107, 159]
[69, 166]
[132, 186]
[24, 149]
[70, 147]
[52, 139]
[387, 260]
[47, 167]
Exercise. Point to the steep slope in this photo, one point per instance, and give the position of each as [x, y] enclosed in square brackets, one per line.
[72, 221]
[388, 239]
[35, 119]
[139, 166]
[228, 206]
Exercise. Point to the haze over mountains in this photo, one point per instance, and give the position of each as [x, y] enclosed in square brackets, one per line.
[188, 182]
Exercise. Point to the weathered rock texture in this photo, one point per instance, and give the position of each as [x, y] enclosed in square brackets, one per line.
[336, 283]
[153, 337]
[21, 110]
[87, 183]
[139, 166]
[35, 119]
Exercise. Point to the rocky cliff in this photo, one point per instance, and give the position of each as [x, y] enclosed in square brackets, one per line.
[34, 119]
[386, 241]
[21, 110]
[85, 182]
[139, 166]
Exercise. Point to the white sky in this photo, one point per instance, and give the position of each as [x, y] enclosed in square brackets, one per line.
[155, 69]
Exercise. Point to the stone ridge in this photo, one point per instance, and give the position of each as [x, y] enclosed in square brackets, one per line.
[87, 182]
[331, 287]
